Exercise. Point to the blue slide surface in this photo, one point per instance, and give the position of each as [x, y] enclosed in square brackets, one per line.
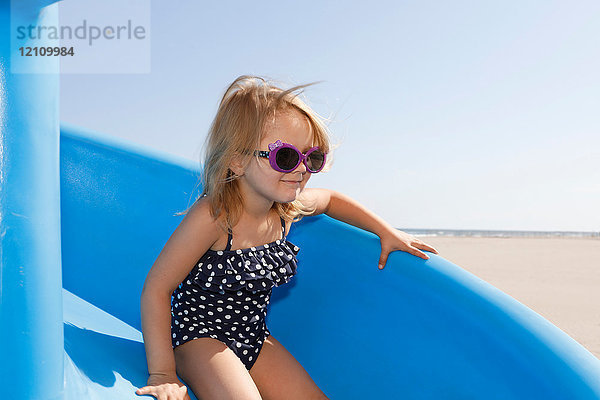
[83, 217]
[419, 329]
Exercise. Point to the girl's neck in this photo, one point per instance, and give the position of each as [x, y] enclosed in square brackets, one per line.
[258, 215]
[256, 206]
[258, 211]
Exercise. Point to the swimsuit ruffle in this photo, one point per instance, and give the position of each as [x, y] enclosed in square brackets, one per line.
[254, 269]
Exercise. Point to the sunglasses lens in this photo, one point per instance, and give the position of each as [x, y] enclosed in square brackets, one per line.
[286, 158]
[315, 160]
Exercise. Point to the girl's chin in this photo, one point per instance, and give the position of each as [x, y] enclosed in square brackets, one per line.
[288, 188]
[290, 195]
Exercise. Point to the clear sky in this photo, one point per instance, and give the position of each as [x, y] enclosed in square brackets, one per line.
[450, 115]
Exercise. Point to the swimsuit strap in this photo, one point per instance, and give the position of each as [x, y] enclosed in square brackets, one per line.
[229, 240]
[230, 236]
[282, 227]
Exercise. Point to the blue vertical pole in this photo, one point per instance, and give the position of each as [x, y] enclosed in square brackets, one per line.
[31, 322]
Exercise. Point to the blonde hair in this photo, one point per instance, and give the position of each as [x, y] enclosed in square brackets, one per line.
[238, 128]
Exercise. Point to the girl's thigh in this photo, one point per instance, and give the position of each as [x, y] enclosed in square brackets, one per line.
[280, 376]
[213, 371]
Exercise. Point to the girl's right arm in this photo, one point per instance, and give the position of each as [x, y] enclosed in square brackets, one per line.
[196, 233]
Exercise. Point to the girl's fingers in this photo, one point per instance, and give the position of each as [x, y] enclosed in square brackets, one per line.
[184, 390]
[383, 259]
[146, 390]
[425, 246]
[433, 250]
[164, 394]
[415, 252]
[410, 245]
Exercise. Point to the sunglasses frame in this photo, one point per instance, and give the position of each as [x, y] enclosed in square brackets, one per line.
[302, 157]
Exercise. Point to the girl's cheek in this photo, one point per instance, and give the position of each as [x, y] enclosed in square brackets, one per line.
[304, 181]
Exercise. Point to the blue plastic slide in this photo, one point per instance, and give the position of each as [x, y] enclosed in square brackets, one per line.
[419, 329]
[83, 216]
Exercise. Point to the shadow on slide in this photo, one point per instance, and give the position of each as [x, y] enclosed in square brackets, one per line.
[419, 329]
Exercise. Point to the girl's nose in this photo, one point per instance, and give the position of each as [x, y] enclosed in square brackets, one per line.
[300, 168]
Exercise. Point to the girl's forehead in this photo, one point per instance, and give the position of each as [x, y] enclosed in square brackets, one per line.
[291, 127]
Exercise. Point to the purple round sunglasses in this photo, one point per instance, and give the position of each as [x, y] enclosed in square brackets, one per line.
[285, 157]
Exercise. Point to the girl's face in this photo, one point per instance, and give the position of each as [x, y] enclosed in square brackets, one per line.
[289, 127]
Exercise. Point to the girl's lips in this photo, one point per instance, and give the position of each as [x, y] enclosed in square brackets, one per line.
[294, 183]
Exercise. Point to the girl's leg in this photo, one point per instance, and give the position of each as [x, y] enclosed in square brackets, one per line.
[279, 376]
[213, 371]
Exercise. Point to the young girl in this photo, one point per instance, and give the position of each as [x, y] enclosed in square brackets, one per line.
[205, 299]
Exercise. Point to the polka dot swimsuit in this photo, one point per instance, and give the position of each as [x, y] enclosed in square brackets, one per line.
[225, 296]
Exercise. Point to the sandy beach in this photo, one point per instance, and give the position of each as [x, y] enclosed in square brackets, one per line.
[559, 278]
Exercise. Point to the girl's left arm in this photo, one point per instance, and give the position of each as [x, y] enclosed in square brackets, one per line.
[343, 208]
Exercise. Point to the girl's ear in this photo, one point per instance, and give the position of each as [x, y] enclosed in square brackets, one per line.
[237, 165]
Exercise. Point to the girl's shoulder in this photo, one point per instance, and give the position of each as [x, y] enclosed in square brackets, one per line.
[317, 200]
[200, 214]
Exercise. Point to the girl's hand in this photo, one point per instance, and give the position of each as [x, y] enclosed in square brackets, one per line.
[398, 240]
[165, 387]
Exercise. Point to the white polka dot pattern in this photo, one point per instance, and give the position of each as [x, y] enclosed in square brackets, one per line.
[225, 296]
[245, 269]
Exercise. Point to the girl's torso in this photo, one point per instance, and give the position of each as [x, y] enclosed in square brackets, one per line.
[226, 294]
[255, 268]
[249, 229]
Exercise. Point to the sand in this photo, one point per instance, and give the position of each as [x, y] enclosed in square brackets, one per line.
[559, 278]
